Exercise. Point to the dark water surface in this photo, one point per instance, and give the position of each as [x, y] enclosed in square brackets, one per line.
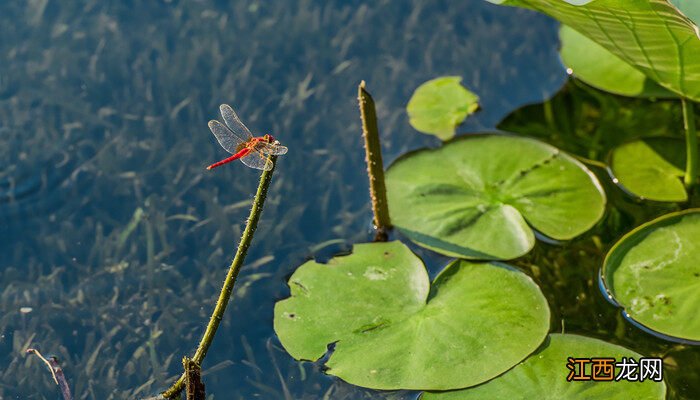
[115, 236]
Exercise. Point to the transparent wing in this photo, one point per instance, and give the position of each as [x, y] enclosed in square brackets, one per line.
[257, 160]
[226, 138]
[271, 148]
[234, 123]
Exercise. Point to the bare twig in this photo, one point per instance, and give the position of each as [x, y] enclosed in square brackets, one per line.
[56, 373]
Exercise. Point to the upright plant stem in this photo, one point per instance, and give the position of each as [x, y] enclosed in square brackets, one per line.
[691, 144]
[218, 313]
[375, 166]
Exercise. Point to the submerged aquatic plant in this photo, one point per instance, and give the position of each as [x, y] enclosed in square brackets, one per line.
[56, 373]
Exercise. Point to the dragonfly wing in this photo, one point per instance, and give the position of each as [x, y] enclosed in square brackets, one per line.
[279, 150]
[226, 138]
[234, 123]
[256, 159]
[272, 149]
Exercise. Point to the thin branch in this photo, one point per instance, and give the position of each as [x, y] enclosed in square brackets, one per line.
[56, 373]
[375, 165]
[227, 289]
[691, 144]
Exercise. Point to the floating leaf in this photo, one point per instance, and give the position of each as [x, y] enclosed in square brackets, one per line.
[393, 330]
[651, 168]
[474, 197]
[543, 376]
[439, 105]
[595, 65]
[653, 272]
[652, 35]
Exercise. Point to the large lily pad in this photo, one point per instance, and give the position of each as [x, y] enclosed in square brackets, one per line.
[598, 67]
[543, 376]
[474, 197]
[393, 330]
[652, 35]
[654, 273]
[651, 168]
[439, 105]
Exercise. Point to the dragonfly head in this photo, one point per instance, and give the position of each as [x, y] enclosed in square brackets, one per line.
[269, 138]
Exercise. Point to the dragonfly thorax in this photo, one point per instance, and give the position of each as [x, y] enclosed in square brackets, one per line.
[241, 146]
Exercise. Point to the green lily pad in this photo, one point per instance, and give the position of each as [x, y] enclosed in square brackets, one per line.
[477, 197]
[653, 36]
[654, 274]
[439, 105]
[598, 67]
[393, 330]
[543, 376]
[651, 168]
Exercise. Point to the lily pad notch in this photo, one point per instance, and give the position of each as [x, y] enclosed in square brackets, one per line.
[392, 329]
[481, 196]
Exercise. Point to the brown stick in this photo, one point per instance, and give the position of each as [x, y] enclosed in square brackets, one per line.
[56, 373]
[194, 388]
[375, 165]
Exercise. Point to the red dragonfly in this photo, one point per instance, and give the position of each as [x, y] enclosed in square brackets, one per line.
[235, 138]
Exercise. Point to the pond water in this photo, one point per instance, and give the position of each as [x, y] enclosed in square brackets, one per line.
[114, 239]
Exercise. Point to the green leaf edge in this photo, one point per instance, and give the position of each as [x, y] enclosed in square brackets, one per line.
[543, 347]
[496, 263]
[445, 135]
[650, 89]
[619, 184]
[609, 292]
[485, 257]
